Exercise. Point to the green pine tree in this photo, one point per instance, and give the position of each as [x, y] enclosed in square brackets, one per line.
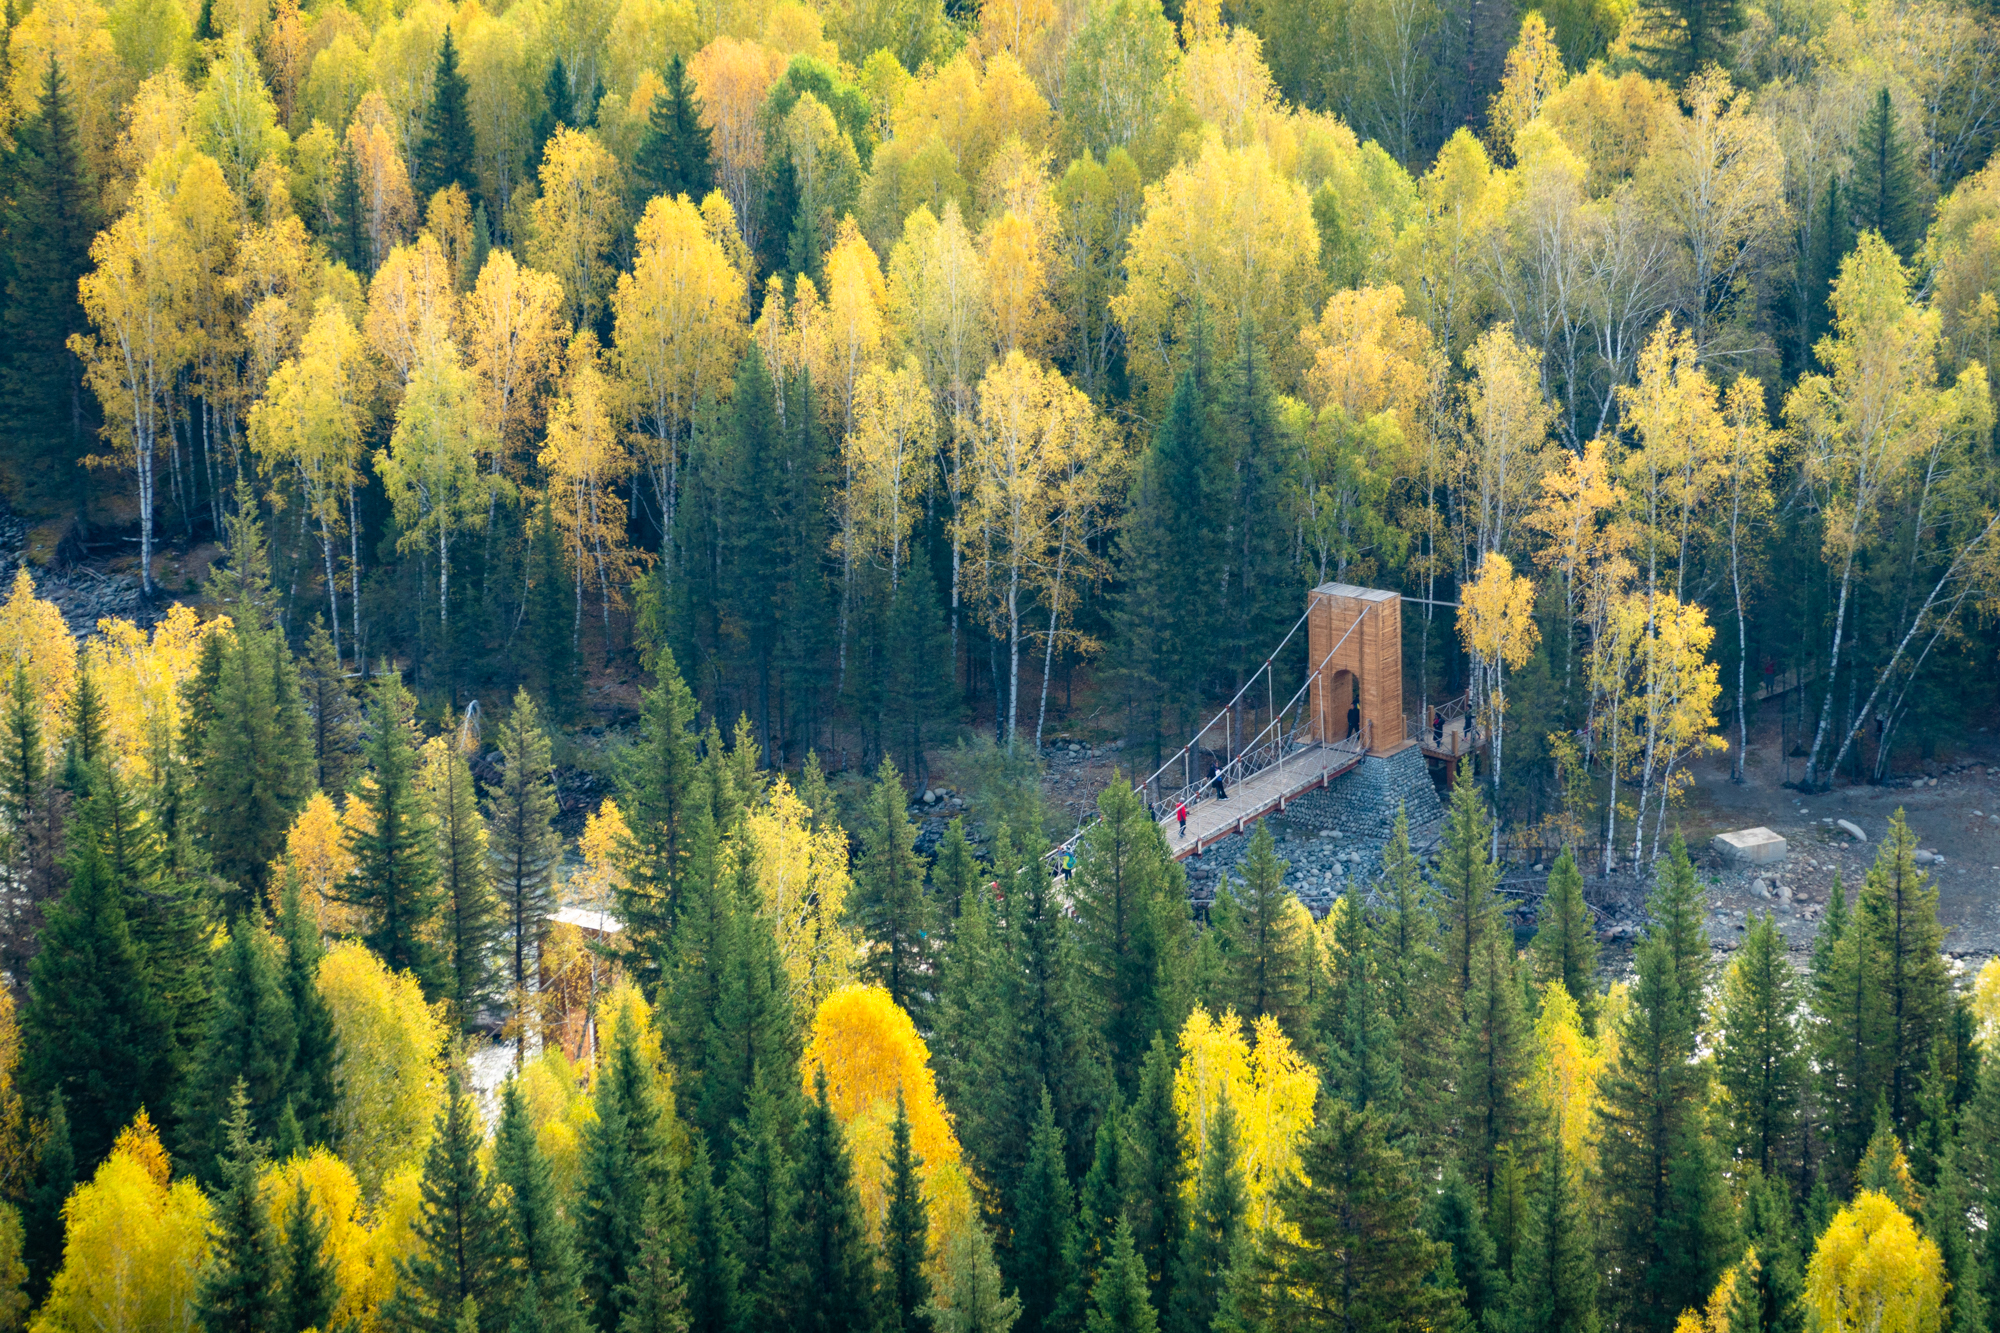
[1882, 195]
[395, 879]
[762, 1192]
[1359, 1260]
[968, 1046]
[1555, 1275]
[1896, 921]
[1259, 590]
[472, 913]
[1770, 1278]
[251, 1044]
[674, 156]
[1216, 1242]
[50, 221]
[557, 668]
[444, 147]
[87, 745]
[1155, 1204]
[1453, 1220]
[1652, 1102]
[1760, 1062]
[333, 716]
[1846, 1021]
[624, 1166]
[955, 876]
[919, 684]
[309, 1288]
[1493, 1060]
[977, 1303]
[1565, 944]
[522, 840]
[1049, 1031]
[1467, 876]
[313, 1087]
[462, 1234]
[710, 1259]
[656, 792]
[1045, 1245]
[1134, 934]
[240, 1288]
[55, 1177]
[96, 1032]
[654, 1295]
[1680, 38]
[890, 903]
[1946, 1209]
[1118, 1301]
[825, 1242]
[541, 1239]
[906, 1288]
[33, 819]
[1101, 1200]
[241, 585]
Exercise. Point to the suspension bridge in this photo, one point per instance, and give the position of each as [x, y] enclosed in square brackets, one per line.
[1254, 757]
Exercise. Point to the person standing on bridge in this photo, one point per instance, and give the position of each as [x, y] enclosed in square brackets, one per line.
[1437, 728]
[1221, 791]
[1353, 718]
[1180, 813]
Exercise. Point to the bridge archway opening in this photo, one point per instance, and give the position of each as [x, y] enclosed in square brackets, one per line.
[1355, 643]
[1344, 694]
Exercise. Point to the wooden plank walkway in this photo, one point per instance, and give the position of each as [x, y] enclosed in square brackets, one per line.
[1266, 792]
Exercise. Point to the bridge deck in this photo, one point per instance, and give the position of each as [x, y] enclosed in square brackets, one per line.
[1454, 741]
[1211, 820]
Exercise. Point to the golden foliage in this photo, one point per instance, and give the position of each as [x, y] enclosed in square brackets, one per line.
[1271, 1088]
[140, 680]
[1874, 1271]
[34, 637]
[390, 1046]
[802, 874]
[350, 1246]
[133, 1245]
[1563, 1081]
[316, 850]
[870, 1050]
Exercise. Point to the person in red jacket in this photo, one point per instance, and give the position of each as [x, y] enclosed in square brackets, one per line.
[1180, 813]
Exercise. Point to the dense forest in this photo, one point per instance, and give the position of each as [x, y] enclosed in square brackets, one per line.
[753, 405]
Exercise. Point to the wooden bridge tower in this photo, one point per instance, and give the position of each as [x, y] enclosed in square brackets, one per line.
[1355, 640]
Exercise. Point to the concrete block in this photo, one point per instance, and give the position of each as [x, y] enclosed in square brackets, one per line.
[1750, 846]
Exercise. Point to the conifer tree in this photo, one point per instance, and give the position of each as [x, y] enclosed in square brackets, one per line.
[240, 1287]
[444, 147]
[1896, 921]
[1057, 1047]
[311, 1090]
[55, 1177]
[310, 1285]
[623, 1168]
[969, 1047]
[656, 790]
[87, 745]
[1360, 1059]
[541, 1242]
[1679, 38]
[395, 880]
[558, 109]
[955, 876]
[1260, 586]
[832, 1269]
[1118, 1301]
[522, 840]
[332, 714]
[762, 1192]
[33, 814]
[1759, 1061]
[51, 219]
[1555, 1276]
[1656, 1172]
[674, 156]
[250, 1047]
[472, 920]
[462, 1236]
[555, 659]
[1768, 1290]
[1846, 1019]
[1159, 1215]
[654, 1294]
[1134, 935]
[709, 1258]
[1101, 1200]
[889, 902]
[1359, 1259]
[1215, 1246]
[242, 585]
[906, 1289]
[976, 1302]
[1882, 193]
[1467, 876]
[1044, 1252]
[919, 686]
[1493, 1060]
[349, 241]
[1946, 1209]
[1565, 944]
[95, 1032]
[1452, 1219]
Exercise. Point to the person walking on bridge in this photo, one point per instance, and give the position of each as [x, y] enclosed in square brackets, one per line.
[1221, 791]
[1180, 813]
